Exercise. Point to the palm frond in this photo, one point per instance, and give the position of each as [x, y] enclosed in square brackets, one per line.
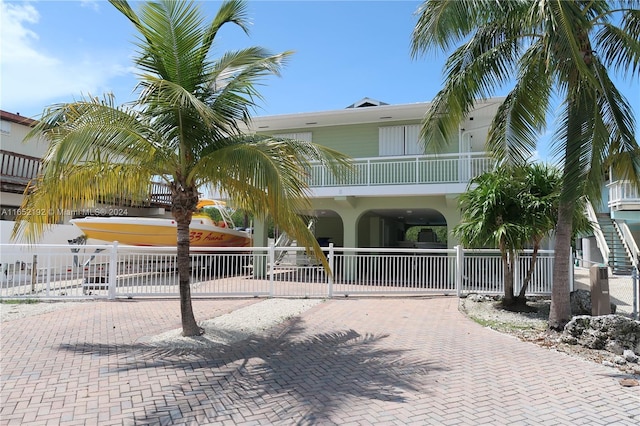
[619, 47]
[521, 117]
[68, 188]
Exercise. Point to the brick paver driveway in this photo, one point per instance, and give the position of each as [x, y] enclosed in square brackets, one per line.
[348, 361]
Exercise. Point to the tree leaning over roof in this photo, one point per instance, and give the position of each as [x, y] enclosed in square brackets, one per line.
[555, 49]
[184, 128]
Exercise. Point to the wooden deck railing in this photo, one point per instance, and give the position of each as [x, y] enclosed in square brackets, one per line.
[17, 170]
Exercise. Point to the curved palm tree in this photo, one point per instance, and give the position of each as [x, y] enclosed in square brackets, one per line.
[184, 128]
[553, 50]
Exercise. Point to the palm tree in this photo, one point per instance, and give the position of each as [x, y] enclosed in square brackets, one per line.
[539, 200]
[184, 128]
[553, 50]
[511, 208]
[492, 216]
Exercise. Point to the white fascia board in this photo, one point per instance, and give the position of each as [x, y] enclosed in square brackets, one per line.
[374, 114]
[389, 190]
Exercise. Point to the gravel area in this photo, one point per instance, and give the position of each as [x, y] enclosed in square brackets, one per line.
[532, 327]
[13, 311]
[238, 325]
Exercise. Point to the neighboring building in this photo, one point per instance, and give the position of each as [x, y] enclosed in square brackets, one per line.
[395, 185]
[20, 163]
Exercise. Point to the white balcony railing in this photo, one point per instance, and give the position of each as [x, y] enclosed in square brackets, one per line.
[413, 170]
[623, 193]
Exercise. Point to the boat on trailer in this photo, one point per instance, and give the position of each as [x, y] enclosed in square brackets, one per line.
[161, 232]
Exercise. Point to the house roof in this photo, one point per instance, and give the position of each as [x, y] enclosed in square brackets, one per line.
[358, 115]
[17, 118]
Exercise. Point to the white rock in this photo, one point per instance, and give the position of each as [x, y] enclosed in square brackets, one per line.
[630, 356]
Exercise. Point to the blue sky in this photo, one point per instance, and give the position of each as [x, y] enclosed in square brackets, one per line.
[57, 51]
[344, 51]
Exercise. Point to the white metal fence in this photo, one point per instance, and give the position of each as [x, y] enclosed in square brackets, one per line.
[112, 271]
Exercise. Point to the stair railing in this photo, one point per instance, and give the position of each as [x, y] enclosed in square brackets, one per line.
[597, 232]
[284, 240]
[628, 241]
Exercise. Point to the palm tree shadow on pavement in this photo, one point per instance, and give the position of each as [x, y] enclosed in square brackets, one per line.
[282, 377]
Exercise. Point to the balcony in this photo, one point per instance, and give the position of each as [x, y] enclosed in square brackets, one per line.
[407, 175]
[17, 170]
[623, 196]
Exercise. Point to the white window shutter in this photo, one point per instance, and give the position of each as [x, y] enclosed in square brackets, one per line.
[412, 143]
[301, 136]
[391, 140]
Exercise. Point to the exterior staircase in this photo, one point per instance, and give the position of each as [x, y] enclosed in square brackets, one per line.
[284, 240]
[619, 260]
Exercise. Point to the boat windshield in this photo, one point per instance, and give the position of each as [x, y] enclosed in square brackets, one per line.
[222, 207]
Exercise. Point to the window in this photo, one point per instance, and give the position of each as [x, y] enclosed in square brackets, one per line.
[301, 136]
[400, 140]
[5, 127]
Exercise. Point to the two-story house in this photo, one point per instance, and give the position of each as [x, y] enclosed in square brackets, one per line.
[395, 185]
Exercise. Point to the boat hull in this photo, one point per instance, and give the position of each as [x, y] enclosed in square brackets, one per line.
[160, 232]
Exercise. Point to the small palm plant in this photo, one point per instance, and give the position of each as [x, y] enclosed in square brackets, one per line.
[511, 208]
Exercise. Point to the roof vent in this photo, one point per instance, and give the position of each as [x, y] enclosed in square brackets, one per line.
[367, 102]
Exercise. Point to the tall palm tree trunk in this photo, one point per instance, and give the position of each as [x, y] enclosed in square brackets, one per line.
[189, 325]
[578, 144]
[560, 311]
[184, 202]
[507, 261]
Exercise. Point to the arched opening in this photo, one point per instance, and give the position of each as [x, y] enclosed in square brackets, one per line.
[404, 228]
[328, 228]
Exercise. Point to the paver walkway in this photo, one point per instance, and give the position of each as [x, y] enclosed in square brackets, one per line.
[347, 362]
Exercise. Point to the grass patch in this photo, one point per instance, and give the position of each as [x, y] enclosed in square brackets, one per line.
[505, 326]
[19, 301]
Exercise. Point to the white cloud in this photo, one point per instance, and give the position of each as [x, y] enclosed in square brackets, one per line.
[92, 4]
[32, 79]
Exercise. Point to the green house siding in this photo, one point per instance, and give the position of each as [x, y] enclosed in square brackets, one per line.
[356, 140]
[382, 197]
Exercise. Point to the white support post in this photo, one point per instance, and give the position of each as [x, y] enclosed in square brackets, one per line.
[272, 263]
[113, 270]
[517, 282]
[48, 285]
[571, 272]
[459, 267]
[332, 270]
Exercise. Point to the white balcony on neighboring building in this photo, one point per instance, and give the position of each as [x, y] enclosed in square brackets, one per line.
[623, 196]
